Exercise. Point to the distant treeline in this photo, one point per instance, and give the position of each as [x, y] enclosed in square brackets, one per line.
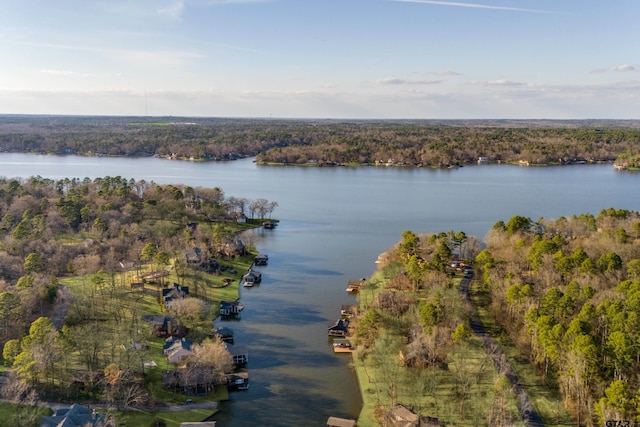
[325, 142]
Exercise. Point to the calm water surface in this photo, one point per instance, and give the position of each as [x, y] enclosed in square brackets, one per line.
[335, 222]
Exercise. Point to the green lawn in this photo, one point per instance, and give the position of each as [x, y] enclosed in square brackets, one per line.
[170, 418]
[116, 296]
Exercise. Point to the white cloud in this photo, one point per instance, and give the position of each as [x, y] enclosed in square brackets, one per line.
[618, 69]
[78, 74]
[492, 99]
[397, 81]
[173, 10]
[474, 6]
[236, 1]
[445, 73]
[500, 82]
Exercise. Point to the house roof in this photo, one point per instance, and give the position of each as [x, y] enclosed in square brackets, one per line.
[340, 324]
[75, 416]
[176, 291]
[172, 344]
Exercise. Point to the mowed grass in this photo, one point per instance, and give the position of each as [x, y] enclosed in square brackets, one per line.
[113, 297]
[544, 395]
[135, 418]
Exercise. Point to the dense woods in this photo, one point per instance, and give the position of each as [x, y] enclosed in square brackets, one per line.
[325, 142]
[567, 292]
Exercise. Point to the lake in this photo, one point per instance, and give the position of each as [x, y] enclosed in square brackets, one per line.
[334, 224]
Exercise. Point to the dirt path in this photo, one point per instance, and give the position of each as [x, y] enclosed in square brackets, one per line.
[60, 308]
[527, 410]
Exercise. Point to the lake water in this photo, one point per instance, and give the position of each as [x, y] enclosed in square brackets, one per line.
[334, 223]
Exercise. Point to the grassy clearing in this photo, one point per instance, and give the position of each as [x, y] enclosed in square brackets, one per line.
[170, 418]
[75, 238]
[544, 395]
[460, 394]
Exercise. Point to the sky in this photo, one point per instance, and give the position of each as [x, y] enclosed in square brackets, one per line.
[339, 59]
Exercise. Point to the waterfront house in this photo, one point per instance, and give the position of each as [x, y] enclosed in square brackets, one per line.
[77, 416]
[403, 416]
[251, 278]
[192, 380]
[230, 308]
[173, 293]
[193, 256]
[177, 349]
[339, 328]
[164, 326]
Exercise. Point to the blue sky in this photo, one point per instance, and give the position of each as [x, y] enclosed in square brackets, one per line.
[364, 59]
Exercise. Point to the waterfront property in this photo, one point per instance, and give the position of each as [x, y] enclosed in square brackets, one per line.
[77, 415]
[230, 308]
[339, 328]
[252, 277]
[177, 349]
[173, 293]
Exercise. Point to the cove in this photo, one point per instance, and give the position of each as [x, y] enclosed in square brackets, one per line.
[334, 223]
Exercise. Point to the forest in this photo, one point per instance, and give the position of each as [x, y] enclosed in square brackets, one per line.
[558, 299]
[426, 143]
[84, 266]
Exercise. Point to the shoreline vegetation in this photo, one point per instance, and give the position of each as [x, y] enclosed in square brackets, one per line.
[399, 143]
[96, 275]
[545, 311]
